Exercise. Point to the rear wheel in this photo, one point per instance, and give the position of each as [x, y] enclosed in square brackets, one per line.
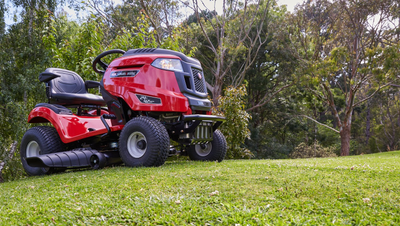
[36, 141]
[144, 141]
[212, 151]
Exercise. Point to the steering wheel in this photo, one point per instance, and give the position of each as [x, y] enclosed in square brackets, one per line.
[97, 60]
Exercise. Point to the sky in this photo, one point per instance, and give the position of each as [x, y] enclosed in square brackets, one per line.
[290, 3]
[290, 6]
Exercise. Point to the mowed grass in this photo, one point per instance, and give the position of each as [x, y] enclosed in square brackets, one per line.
[357, 190]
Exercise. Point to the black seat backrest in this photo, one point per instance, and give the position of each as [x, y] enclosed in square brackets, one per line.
[67, 88]
[62, 81]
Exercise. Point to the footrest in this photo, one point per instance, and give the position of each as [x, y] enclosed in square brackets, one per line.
[58, 109]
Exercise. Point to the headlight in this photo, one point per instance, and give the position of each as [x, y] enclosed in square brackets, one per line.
[168, 64]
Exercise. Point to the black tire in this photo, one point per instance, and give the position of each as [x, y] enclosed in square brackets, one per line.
[38, 141]
[213, 151]
[144, 141]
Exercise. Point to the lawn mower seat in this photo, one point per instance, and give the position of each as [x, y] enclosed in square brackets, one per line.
[66, 87]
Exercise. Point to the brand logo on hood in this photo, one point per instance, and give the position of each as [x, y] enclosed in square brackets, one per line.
[199, 76]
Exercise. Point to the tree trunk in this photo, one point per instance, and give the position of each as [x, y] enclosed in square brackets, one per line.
[345, 140]
[217, 91]
[2, 164]
[368, 124]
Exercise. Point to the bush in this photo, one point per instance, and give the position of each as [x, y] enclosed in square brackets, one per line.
[313, 151]
[235, 130]
[13, 120]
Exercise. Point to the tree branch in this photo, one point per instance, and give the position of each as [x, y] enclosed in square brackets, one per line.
[373, 94]
[210, 87]
[146, 10]
[319, 123]
[264, 102]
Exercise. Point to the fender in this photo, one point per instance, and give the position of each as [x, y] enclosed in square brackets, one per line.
[71, 128]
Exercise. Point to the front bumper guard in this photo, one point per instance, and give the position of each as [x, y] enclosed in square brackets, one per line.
[196, 129]
[196, 120]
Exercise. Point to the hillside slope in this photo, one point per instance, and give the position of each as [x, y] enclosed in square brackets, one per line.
[360, 190]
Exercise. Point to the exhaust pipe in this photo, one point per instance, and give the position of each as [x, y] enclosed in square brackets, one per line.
[101, 159]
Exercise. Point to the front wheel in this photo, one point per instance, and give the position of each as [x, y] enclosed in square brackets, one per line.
[144, 141]
[39, 140]
[212, 151]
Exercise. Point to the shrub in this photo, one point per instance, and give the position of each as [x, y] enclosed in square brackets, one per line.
[232, 105]
[312, 151]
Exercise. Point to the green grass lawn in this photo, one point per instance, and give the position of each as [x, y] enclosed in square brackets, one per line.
[357, 190]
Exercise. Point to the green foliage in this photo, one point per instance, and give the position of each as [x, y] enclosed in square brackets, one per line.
[385, 124]
[22, 58]
[264, 146]
[357, 190]
[78, 49]
[232, 105]
[347, 61]
[2, 21]
[143, 36]
[372, 145]
[204, 14]
[274, 132]
[13, 121]
[315, 150]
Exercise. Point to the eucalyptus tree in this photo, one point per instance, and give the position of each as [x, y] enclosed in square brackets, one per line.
[163, 15]
[343, 47]
[232, 40]
[125, 16]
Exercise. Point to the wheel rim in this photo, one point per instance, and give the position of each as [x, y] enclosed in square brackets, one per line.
[137, 144]
[203, 149]
[32, 149]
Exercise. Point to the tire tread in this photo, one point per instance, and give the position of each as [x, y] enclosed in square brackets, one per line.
[49, 142]
[161, 141]
[217, 153]
[222, 144]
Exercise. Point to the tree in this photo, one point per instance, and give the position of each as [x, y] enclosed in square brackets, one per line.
[235, 37]
[163, 16]
[2, 21]
[205, 14]
[22, 58]
[274, 65]
[115, 17]
[343, 47]
[384, 125]
[79, 45]
[78, 49]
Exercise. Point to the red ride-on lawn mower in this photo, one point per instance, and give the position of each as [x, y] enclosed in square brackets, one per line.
[152, 96]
